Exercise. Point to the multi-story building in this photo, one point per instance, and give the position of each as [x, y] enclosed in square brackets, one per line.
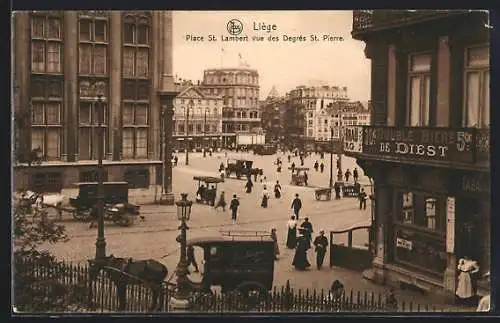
[197, 119]
[310, 96]
[239, 89]
[428, 146]
[273, 117]
[64, 60]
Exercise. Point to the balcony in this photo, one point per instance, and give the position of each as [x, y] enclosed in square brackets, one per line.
[449, 147]
[366, 21]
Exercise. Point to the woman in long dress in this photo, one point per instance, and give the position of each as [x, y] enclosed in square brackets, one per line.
[277, 190]
[265, 197]
[465, 290]
[249, 185]
[300, 261]
[291, 238]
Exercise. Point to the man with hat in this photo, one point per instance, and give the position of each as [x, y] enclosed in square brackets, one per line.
[484, 302]
[320, 243]
[308, 231]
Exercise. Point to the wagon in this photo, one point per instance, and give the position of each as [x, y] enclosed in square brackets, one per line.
[298, 175]
[207, 195]
[326, 192]
[240, 168]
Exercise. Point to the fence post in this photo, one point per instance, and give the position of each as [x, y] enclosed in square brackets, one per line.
[349, 239]
[287, 297]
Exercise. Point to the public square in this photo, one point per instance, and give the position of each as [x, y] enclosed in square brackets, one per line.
[155, 237]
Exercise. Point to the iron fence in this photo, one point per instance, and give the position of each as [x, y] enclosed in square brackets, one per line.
[101, 296]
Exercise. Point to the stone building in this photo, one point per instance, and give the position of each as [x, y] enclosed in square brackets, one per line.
[62, 60]
[428, 146]
[239, 88]
[197, 119]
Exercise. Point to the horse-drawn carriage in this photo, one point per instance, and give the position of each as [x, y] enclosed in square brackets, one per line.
[240, 262]
[325, 191]
[299, 176]
[207, 192]
[117, 207]
[241, 168]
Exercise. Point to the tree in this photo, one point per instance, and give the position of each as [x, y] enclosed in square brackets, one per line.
[41, 282]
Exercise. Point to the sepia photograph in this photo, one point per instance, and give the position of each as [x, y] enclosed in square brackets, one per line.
[251, 162]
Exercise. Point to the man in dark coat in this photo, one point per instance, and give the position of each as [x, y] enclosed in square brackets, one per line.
[234, 207]
[322, 167]
[320, 243]
[300, 261]
[306, 178]
[296, 206]
[362, 199]
[249, 185]
[355, 175]
[308, 231]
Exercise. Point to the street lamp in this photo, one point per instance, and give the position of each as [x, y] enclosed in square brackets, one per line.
[190, 106]
[205, 133]
[180, 299]
[100, 245]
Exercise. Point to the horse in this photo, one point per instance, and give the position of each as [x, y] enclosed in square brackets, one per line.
[125, 271]
[41, 201]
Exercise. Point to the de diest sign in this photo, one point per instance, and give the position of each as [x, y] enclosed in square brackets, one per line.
[438, 144]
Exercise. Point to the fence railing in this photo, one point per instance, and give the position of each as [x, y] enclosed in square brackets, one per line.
[101, 296]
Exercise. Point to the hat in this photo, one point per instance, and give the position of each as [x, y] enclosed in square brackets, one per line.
[321, 231]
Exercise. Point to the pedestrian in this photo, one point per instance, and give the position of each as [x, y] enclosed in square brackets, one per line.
[210, 152]
[362, 199]
[289, 158]
[292, 167]
[255, 176]
[484, 302]
[265, 197]
[222, 174]
[234, 208]
[296, 206]
[277, 190]
[347, 174]
[306, 177]
[322, 155]
[465, 290]
[339, 174]
[221, 167]
[301, 161]
[300, 261]
[355, 175]
[221, 202]
[322, 167]
[190, 258]
[316, 165]
[213, 193]
[291, 238]
[278, 169]
[249, 186]
[308, 231]
[274, 236]
[335, 295]
[337, 191]
[176, 160]
[320, 243]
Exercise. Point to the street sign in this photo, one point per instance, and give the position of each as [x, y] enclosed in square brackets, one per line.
[353, 139]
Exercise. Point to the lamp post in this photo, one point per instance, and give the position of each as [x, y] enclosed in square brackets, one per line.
[331, 157]
[187, 132]
[204, 133]
[339, 155]
[180, 299]
[100, 245]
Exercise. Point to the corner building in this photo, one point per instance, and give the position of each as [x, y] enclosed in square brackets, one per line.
[61, 61]
[239, 88]
[427, 147]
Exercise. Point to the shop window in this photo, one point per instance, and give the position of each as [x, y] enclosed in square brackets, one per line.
[137, 177]
[198, 128]
[47, 182]
[430, 213]
[407, 210]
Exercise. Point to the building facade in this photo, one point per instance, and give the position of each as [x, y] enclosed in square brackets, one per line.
[239, 89]
[62, 61]
[197, 120]
[427, 148]
[273, 111]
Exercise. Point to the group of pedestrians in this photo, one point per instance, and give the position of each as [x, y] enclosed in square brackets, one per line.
[300, 239]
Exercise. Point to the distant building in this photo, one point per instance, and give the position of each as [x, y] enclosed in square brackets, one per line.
[197, 119]
[273, 117]
[239, 89]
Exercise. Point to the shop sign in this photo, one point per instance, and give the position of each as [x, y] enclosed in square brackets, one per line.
[450, 224]
[403, 243]
[417, 143]
[353, 139]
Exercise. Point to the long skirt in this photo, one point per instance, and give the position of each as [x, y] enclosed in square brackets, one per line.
[277, 194]
[264, 202]
[291, 239]
[464, 288]
[300, 260]
[249, 190]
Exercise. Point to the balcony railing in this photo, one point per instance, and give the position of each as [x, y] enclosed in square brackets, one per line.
[466, 146]
[368, 20]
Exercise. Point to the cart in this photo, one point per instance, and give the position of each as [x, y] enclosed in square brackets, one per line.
[298, 175]
[326, 192]
[240, 262]
[206, 194]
